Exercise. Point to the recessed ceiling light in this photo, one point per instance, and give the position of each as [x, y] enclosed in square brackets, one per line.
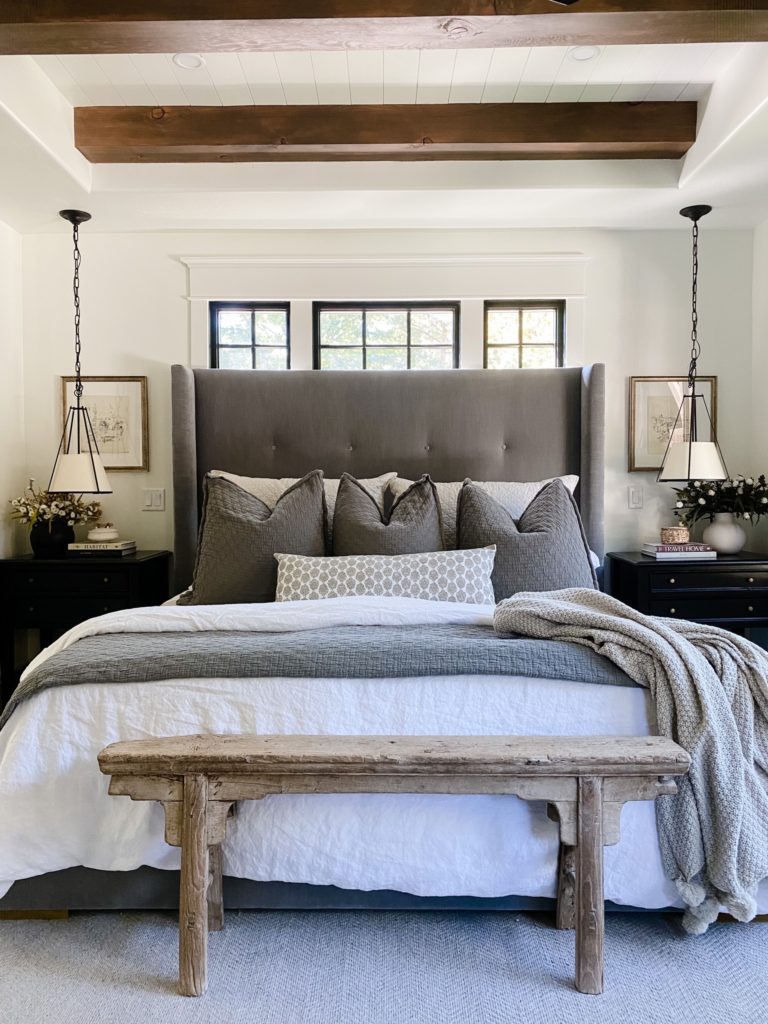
[582, 53]
[193, 61]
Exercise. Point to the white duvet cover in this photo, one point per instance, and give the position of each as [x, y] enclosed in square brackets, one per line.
[55, 811]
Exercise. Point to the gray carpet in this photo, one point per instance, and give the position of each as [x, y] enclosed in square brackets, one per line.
[379, 968]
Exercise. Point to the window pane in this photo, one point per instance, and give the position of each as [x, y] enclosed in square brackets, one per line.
[342, 359]
[386, 327]
[234, 327]
[270, 327]
[539, 327]
[341, 327]
[539, 355]
[271, 358]
[235, 358]
[387, 358]
[505, 358]
[431, 358]
[432, 327]
[503, 326]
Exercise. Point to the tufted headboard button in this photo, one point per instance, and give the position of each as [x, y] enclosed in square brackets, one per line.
[427, 447]
[505, 447]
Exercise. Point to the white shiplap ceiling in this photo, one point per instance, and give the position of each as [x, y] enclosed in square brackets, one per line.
[522, 75]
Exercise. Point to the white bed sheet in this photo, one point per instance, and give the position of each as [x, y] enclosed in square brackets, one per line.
[55, 811]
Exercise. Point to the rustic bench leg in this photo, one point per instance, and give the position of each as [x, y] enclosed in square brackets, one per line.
[565, 915]
[193, 896]
[215, 889]
[590, 907]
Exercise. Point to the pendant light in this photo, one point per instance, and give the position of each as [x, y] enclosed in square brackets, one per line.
[78, 468]
[687, 456]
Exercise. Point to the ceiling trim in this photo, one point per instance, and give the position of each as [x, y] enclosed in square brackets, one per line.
[165, 26]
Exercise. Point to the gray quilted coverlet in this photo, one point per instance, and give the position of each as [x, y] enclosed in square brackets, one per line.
[710, 690]
[345, 652]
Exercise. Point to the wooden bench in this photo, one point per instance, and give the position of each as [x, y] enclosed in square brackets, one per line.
[585, 782]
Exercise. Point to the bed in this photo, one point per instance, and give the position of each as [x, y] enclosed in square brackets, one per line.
[333, 851]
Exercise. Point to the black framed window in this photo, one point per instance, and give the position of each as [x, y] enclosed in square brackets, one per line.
[251, 335]
[386, 335]
[527, 334]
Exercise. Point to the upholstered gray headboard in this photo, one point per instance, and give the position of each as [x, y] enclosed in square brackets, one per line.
[452, 424]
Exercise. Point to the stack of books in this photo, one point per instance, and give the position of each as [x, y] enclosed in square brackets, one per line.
[102, 548]
[676, 552]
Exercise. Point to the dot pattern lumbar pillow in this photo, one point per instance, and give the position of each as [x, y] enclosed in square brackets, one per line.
[461, 576]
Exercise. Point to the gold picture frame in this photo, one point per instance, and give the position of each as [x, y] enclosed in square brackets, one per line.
[119, 413]
[653, 407]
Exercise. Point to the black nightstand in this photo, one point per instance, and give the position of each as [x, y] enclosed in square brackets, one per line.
[730, 591]
[54, 594]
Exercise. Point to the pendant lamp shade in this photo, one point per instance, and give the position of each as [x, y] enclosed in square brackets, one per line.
[694, 460]
[692, 451]
[78, 468]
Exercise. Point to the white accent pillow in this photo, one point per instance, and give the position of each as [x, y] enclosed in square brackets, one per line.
[269, 489]
[459, 576]
[514, 496]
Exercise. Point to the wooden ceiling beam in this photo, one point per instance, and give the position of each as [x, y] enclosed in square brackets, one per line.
[169, 26]
[472, 131]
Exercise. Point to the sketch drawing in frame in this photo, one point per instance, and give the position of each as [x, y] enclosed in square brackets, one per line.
[119, 414]
[653, 406]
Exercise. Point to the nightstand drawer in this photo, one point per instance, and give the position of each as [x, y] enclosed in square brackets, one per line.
[76, 582]
[712, 607]
[672, 579]
[52, 610]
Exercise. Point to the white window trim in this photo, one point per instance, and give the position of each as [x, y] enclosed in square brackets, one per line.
[467, 279]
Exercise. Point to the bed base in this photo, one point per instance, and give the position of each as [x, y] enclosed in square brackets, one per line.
[148, 888]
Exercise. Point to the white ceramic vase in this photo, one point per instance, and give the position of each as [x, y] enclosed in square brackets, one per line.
[724, 534]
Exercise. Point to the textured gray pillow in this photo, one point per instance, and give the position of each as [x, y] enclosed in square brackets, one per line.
[513, 495]
[239, 535]
[544, 550]
[412, 525]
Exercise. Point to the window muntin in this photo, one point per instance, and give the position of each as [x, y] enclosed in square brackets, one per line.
[524, 334]
[386, 335]
[250, 335]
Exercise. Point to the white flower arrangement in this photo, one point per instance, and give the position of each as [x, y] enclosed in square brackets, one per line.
[745, 497]
[42, 506]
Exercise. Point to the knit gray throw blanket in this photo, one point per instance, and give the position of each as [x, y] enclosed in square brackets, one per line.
[710, 691]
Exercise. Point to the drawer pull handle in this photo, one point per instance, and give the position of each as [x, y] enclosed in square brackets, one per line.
[106, 579]
[672, 579]
[672, 611]
[31, 608]
[750, 608]
[105, 608]
[30, 579]
[750, 579]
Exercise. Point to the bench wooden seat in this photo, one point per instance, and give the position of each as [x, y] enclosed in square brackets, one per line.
[585, 782]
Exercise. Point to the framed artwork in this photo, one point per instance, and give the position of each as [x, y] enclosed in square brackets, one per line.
[653, 407]
[118, 410]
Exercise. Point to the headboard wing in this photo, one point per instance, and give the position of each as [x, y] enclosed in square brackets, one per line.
[452, 424]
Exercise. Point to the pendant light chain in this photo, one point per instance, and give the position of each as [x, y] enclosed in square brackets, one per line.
[695, 346]
[76, 292]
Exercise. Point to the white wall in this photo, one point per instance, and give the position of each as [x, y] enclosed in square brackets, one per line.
[12, 447]
[633, 315]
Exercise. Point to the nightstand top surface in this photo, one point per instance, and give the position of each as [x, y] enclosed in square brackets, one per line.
[137, 556]
[638, 558]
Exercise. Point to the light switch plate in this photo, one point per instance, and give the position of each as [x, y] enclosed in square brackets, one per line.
[153, 499]
[634, 496]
